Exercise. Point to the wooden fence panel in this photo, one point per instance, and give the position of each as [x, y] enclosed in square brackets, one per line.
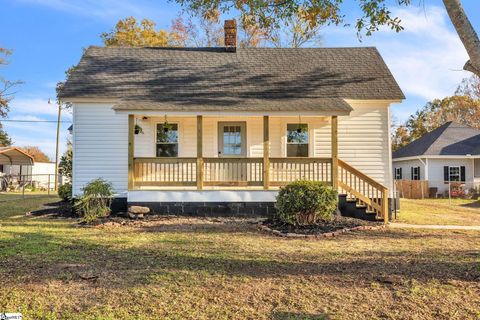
[412, 189]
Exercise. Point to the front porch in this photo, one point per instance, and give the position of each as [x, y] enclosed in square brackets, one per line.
[227, 157]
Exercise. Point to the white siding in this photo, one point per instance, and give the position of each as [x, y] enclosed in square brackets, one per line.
[100, 141]
[477, 168]
[364, 140]
[435, 172]
[407, 166]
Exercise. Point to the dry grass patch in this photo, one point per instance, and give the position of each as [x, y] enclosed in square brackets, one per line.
[187, 268]
[440, 211]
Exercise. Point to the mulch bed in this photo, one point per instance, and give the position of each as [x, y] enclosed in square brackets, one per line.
[331, 228]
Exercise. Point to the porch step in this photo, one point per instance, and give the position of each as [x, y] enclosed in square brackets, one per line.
[349, 207]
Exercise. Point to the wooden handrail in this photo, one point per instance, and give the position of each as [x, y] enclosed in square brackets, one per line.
[360, 174]
[368, 191]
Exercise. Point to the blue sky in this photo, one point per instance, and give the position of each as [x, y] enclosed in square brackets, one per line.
[47, 37]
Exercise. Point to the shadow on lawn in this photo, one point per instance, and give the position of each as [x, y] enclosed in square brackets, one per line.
[475, 204]
[58, 209]
[279, 315]
[41, 257]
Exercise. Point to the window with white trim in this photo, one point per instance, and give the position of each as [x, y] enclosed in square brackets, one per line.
[454, 173]
[297, 140]
[398, 173]
[415, 173]
[167, 140]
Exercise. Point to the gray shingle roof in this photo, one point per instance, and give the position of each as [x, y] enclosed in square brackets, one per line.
[449, 139]
[251, 79]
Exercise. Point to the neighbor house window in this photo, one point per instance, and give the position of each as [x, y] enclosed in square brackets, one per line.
[398, 173]
[415, 173]
[297, 140]
[454, 174]
[167, 140]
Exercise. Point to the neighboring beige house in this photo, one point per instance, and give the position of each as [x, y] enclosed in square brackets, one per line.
[450, 153]
[218, 130]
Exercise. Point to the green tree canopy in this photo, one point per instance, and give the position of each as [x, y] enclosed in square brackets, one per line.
[370, 16]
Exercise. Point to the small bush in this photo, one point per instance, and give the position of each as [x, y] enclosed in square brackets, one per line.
[65, 192]
[95, 201]
[306, 202]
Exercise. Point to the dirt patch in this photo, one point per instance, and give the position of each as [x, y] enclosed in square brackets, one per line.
[154, 223]
[336, 224]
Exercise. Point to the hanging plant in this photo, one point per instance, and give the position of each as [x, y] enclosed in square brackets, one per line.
[138, 129]
[166, 126]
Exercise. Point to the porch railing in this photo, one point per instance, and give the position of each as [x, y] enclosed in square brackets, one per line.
[228, 171]
[249, 172]
[165, 172]
[233, 171]
[285, 170]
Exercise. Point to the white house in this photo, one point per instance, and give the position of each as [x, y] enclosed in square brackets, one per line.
[206, 130]
[450, 153]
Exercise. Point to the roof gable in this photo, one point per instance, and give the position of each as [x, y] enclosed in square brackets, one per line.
[449, 139]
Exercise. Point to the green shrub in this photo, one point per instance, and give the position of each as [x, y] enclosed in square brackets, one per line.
[65, 192]
[95, 201]
[306, 202]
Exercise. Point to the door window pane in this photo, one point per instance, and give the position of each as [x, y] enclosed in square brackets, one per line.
[297, 140]
[232, 140]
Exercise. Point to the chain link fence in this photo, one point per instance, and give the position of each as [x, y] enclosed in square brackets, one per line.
[14, 187]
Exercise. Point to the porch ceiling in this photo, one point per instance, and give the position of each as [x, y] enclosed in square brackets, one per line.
[320, 106]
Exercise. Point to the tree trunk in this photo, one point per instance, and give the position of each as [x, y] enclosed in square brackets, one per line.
[467, 34]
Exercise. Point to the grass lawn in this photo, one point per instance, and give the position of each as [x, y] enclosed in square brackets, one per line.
[186, 268]
[440, 211]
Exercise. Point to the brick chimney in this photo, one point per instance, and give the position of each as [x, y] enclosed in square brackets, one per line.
[230, 30]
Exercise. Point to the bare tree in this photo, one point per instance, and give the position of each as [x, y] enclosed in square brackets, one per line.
[297, 32]
[466, 33]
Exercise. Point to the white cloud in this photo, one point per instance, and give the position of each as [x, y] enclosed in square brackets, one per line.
[32, 106]
[426, 58]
